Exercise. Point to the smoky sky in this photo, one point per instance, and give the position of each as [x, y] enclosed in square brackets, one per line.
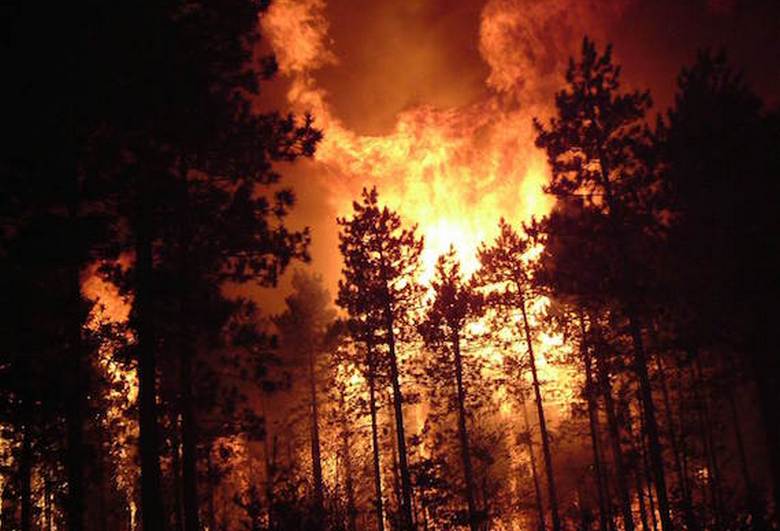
[370, 62]
[395, 54]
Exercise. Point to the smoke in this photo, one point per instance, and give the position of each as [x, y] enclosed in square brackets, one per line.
[432, 101]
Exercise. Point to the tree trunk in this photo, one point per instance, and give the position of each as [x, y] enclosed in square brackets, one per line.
[148, 438]
[25, 478]
[316, 459]
[212, 510]
[47, 502]
[641, 496]
[766, 368]
[590, 395]
[463, 434]
[645, 466]
[346, 450]
[556, 522]
[651, 425]
[378, 503]
[690, 518]
[614, 436]
[640, 357]
[189, 446]
[394, 462]
[713, 478]
[406, 483]
[637, 468]
[178, 517]
[534, 470]
[77, 391]
[743, 462]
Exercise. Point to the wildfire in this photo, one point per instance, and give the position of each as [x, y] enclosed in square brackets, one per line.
[452, 171]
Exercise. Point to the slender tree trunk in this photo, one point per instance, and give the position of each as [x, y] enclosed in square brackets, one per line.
[378, 502]
[766, 368]
[640, 356]
[645, 465]
[148, 438]
[590, 395]
[212, 511]
[556, 521]
[187, 352]
[651, 425]
[614, 436]
[743, 462]
[189, 439]
[463, 434]
[47, 502]
[316, 460]
[346, 448]
[641, 497]
[534, 470]
[637, 468]
[406, 482]
[713, 477]
[682, 403]
[394, 462]
[77, 390]
[269, 456]
[178, 517]
[25, 478]
[690, 518]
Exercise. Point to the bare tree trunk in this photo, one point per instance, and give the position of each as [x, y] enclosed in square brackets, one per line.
[394, 462]
[76, 405]
[637, 469]
[743, 462]
[189, 445]
[651, 425]
[178, 517]
[269, 456]
[690, 518]
[614, 435]
[640, 356]
[406, 482]
[713, 477]
[212, 511]
[47, 502]
[25, 478]
[349, 485]
[463, 434]
[556, 521]
[534, 470]
[590, 395]
[378, 502]
[316, 460]
[148, 438]
[645, 466]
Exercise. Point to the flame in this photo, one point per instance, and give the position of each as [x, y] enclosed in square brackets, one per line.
[451, 171]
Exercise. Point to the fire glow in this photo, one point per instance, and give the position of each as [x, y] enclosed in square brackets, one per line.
[451, 171]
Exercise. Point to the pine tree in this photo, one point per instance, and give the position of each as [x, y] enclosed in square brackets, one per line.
[455, 304]
[384, 257]
[504, 266]
[598, 147]
[302, 333]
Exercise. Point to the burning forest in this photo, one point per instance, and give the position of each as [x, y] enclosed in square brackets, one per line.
[400, 265]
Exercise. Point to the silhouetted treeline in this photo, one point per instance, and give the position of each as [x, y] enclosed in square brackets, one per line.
[609, 366]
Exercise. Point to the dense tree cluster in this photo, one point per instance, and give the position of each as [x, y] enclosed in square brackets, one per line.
[609, 366]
